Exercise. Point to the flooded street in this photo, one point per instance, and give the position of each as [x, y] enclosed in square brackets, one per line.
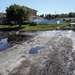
[9, 39]
[48, 53]
[13, 39]
[4, 44]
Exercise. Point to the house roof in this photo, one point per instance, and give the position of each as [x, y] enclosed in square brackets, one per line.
[2, 15]
[31, 9]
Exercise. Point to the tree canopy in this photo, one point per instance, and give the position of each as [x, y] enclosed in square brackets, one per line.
[63, 15]
[16, 13]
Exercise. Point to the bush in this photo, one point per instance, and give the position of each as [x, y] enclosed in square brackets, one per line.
[33, 24]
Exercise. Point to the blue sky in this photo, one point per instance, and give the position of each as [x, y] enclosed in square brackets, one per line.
[43, 6]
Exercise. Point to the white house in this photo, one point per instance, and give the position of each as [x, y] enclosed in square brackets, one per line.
[40, 20]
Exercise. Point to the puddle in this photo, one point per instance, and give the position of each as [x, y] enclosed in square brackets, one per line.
[35, 49]
[4, 44]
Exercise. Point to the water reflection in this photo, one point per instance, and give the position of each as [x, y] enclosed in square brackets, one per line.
[4, 44]
[35, 49]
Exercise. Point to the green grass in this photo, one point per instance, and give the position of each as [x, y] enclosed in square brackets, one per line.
[37, 27]
[42, 27]
[4, 26]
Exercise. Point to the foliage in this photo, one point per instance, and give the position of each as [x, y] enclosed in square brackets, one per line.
[33, 24]
[71, 14]
[53, 16]
[42, 27]
[16, 14]
[29, 27]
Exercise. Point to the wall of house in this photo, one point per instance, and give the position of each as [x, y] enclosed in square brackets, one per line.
[32, 13]
[2, 18]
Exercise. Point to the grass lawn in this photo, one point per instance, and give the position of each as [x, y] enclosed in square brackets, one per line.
[42, 27]
[37, 27]
[4, 26]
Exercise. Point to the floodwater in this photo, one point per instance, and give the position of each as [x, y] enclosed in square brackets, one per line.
[35, 49]
[54, 33]
[4, 44]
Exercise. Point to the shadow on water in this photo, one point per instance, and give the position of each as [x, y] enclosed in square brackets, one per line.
[35, 49]
[4, 44]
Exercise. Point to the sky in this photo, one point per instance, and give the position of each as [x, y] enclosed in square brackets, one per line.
[42, 6]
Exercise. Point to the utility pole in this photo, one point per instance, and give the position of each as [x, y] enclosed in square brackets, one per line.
[55, 12]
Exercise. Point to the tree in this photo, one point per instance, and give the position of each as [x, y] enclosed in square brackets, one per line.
[16, 13]
[50, 16]
[71, 14]
[42, 15]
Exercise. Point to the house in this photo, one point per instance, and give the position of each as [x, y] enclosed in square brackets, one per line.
[32, 12]
[2, 18]
[40, 20]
